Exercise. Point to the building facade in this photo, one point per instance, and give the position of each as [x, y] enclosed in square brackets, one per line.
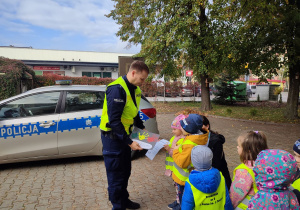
[67, 63]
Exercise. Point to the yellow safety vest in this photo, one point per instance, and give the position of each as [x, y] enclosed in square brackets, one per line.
[295, 185]
[169, 162]
[244, 203]
[183, 173]
[215, 200]
[130, 110]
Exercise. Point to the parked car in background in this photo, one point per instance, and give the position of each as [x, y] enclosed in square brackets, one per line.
[57, 122]
[168, 92]
[198, 91]
[186, 91]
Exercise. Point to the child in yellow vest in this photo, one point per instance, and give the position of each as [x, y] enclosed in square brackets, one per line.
[243, 186]
[295, 187]
[190, 127]
[178, 137]
[206, 187]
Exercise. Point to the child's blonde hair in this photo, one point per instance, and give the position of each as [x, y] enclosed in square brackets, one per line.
[252, 143]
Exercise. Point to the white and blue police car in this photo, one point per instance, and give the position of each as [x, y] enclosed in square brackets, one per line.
[57, 122]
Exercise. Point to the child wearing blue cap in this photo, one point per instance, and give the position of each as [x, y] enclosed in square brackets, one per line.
[191, 128]
[295, 187]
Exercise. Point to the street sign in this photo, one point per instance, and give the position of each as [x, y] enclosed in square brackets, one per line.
[189, 73]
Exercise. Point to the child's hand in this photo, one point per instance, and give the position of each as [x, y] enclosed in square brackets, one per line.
[166, 147]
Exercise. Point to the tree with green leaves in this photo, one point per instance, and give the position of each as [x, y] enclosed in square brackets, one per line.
[267, 38]
[226, 92]
[179, 32]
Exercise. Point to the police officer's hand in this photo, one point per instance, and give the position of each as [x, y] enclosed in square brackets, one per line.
[135, 146]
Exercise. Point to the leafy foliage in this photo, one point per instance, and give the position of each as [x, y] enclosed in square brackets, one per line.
[268, 38]
[178, 34]
[13, 72]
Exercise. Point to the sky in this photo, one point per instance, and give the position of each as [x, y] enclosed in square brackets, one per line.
[61, 25]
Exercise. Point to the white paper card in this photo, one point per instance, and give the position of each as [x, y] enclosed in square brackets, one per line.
[142, 144]
[158, 146]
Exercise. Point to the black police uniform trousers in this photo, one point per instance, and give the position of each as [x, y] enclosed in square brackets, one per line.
[117, 159]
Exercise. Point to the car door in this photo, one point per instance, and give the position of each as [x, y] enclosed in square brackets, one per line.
[78, 127]
[28, 126]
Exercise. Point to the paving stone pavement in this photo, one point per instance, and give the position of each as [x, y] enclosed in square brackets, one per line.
[80, 183]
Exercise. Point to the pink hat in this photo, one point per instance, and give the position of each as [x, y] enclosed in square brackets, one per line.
[176, 122]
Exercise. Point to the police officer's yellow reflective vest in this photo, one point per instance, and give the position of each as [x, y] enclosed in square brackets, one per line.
[183, 173]
[130, 110]
[244, 203]
[295, 185]
[169, 162]
[215, 200]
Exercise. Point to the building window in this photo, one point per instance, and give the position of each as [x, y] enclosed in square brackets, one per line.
[38, 72]
[106, 75]
[88, 74]
[97, 74]
[62, 73]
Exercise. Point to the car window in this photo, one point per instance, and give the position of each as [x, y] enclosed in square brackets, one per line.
[33, 105]
[83, 100]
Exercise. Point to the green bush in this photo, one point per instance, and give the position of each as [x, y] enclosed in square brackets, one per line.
[253, 112]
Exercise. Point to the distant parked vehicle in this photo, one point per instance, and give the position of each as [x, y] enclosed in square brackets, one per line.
[186, 91]
[168, 92]
[198, 91]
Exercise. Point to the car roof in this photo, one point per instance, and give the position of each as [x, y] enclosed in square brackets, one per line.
[68, 87]
[58, 88]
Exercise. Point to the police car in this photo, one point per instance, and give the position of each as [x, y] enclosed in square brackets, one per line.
[57, 122]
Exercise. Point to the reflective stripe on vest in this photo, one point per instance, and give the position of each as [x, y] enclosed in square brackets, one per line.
[215, 200]
[169, 162]
[244, 203]
[130, 110]
[183, 173]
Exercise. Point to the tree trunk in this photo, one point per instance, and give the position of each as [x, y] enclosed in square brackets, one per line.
[205, 96]
[291, 111]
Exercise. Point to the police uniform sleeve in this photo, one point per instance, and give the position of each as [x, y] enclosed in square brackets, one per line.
[116, 100]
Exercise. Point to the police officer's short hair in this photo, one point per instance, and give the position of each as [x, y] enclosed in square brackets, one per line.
[139, 66]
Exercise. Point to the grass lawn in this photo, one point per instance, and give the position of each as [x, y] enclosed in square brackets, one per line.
[258, 111]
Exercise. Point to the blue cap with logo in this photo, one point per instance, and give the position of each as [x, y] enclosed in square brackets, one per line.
[296, 146]
[192, 124]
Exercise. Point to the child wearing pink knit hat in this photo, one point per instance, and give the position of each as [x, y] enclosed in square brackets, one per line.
[177, 138]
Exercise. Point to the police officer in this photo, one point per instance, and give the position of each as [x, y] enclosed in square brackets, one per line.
[120, 113]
